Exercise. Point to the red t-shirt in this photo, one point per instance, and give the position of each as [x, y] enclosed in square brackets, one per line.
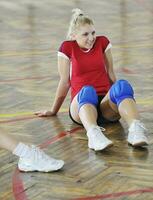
[87, 67]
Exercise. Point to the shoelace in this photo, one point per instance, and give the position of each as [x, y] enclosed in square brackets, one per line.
[97, 132]
[102, 128]
[139, 124]
[38, 153]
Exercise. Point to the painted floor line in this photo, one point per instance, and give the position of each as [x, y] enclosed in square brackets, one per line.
[25, 78]
[117, 194]
[6, 115]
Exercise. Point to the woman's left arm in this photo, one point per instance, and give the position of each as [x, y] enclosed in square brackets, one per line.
[109, 66]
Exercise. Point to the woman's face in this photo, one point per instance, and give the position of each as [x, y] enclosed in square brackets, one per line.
[85, 36]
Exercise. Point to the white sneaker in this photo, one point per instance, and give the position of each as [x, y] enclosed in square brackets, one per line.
[39, 161]
[136, 136]
[97, 140]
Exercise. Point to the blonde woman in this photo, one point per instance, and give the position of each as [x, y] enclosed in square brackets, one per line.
[86, 67]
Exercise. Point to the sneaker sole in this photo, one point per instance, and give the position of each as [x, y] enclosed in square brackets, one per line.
[139, 144]
[22, 169]
[100, 149]
[31, 170]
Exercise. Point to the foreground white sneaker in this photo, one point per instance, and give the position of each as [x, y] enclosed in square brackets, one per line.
[39, 161]
[97, 140]
[136, 136]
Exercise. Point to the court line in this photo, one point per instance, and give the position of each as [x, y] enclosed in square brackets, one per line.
[127, 71]
[22, 116]
[117, 194]
[6, 115]
[144, 5]
[25, 53]
[59, 136]
[134, 45]
[25, 78]
[17, 119]
[145, 102]
[17, 186]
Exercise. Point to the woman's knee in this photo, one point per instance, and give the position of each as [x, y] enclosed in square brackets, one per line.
[121, 90]
[87, 95]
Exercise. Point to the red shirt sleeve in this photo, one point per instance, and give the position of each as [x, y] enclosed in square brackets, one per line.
[105, 42]
[65, 48]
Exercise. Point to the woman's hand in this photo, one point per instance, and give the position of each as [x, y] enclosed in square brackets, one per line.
[45, 113]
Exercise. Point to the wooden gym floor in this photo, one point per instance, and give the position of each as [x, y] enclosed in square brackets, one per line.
[30, 35]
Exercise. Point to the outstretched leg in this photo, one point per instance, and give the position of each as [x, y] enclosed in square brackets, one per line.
[31, 158]
[7, 142]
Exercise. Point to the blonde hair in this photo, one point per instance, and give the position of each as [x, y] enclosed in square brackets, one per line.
[78, 18]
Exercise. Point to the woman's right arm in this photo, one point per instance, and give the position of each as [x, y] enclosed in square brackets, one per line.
[62, 89]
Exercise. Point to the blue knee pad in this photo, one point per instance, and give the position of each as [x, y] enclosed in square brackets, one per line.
[87, 95]
[121, 90]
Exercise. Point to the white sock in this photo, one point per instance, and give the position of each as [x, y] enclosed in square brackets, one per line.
[135, 120]
[92, 126]
[22, 150]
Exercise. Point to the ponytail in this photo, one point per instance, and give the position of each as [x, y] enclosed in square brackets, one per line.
[78, 18]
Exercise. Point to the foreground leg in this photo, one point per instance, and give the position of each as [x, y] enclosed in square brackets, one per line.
[31, 158]
[7, 142]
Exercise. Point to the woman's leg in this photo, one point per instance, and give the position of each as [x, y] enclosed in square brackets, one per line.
[108, 109]
[120, 102]
[128, 111]
[7, 142]
[83, 110]
[30, 157]
[87, 115]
